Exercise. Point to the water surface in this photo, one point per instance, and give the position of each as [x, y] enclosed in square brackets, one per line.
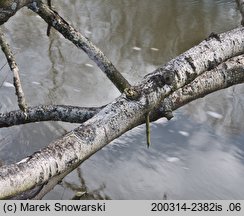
[197, 155]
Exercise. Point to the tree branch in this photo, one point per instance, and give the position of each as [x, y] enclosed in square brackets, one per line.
[9, 7]
[214, 50]
[94, 53]
[72, 114]
[225, 75]
[13, 66]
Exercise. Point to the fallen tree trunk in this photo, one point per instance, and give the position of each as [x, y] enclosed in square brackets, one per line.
[128, 111]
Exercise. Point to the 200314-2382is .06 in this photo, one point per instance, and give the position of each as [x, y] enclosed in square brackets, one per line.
[194, 206]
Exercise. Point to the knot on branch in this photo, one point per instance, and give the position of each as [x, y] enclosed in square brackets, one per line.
[132, 93]
[168, 77]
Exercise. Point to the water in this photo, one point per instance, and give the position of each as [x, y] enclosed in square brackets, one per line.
[197, 155]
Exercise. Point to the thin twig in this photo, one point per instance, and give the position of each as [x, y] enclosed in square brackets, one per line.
[13, 66]
[49, 3]
[3, 65]
[94, 53]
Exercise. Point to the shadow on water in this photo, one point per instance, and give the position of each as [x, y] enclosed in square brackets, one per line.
[197, 155]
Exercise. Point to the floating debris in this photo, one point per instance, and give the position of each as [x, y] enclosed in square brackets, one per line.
[36, 83]
[154, 49]
[214, 114]
[136, 48]
[76, 90]
[87, 32]
[8, 84]
[89, 65]
[172, 159]
[184, 133]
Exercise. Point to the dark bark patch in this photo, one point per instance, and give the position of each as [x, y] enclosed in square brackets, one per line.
[71, 162]
[190, 76]
[50, 172]
[56, 165]
[168, 77]
[158, 80]
[225, 66]
[206, 46]
[41, 177]
[211, 64]
[214, 35]
[190, 62]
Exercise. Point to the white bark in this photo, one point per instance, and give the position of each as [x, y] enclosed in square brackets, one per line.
[66, 153]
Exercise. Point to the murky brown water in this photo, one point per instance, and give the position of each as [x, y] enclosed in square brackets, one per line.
[197, 155]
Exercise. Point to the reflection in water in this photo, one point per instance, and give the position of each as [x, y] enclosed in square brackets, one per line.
[197, 155]
[82, 192]
[56, 71]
